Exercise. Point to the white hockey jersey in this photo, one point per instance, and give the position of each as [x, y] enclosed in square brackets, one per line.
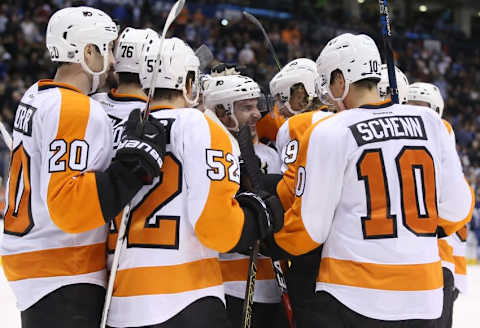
[290, 133]
[453, 248]
[372, 185]
[118, 107]
[235, 266]
[55, 231]
[178, 225]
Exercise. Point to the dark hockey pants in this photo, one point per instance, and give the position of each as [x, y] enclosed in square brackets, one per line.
[72, 306]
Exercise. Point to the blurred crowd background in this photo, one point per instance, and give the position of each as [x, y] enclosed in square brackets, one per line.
[428, 48]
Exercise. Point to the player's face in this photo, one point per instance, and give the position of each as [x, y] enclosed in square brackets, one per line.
[247, 113]
[282, 108]
[299, 99]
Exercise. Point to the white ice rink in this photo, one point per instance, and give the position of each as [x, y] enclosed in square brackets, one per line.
[466, 310]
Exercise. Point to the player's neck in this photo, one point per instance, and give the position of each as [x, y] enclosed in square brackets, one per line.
[361, 96]
[178, 102]
[130, 89]
[70, 74]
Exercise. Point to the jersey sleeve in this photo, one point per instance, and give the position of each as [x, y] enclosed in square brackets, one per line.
[76, 142]
[317, 188]
[212, 176]
[456, 198]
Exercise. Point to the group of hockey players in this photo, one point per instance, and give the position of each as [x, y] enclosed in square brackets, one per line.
[365, 200]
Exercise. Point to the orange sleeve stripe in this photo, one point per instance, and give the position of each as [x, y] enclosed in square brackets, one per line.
[398, 277]
[445, 251]
[448, 126]
[460, 265]
[220, 229]
[237, 270]
[293, 237]
[450, 227]
[169, 279]
[71, 198]
[298, 124]
[67, 261]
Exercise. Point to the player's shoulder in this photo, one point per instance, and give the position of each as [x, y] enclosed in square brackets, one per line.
[448, 126]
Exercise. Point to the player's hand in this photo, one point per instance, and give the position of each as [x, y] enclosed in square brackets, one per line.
[143, 147]
[268, 210]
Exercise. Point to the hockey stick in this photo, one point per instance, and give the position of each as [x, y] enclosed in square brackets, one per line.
[257, 23]
[121, 238]
[204, 55]
[7, 138]
[279, 275]
[388, 51]
[244, 139]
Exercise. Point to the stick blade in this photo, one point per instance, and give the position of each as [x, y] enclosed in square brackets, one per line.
[173, 14]
[205, 56]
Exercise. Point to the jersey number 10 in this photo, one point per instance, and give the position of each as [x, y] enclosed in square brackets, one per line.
[418, 196]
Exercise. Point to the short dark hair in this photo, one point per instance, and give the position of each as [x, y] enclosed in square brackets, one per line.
[171, 94]
[128, 78]
[368, 84]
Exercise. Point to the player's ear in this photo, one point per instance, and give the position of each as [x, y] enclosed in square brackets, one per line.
[337, 83]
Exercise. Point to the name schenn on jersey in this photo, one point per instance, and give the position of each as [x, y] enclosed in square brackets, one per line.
[388, 128]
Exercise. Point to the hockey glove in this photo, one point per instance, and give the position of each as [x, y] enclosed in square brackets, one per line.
[267, 210]
[142, 148]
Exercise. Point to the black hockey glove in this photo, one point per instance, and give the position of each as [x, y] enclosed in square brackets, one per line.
[267, 209]
[143, 150]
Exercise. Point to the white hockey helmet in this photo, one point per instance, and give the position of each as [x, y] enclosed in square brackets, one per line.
[128, 53]
[429, 93]
[356, 56]
[177, 59]
[71, 29]
[301, 70]
[402, 84]
[226, 90]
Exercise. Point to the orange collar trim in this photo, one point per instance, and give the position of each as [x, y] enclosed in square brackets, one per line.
[112, 94]
[160, 107]
[378, 105]
[48, 84]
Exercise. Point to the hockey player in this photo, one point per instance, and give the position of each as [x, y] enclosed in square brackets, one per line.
[294, 91]
[374, 184]
[234, 100]
[62, 188]
[452, 248]
[120, 102]
[293, 88]
[169, 273]
[402, 85]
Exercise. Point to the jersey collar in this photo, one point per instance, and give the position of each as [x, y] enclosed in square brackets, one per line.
[48, 84]
[160, 107]
[114, 95]
[378, 105]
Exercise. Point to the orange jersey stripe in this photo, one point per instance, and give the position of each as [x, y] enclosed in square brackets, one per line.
[398, 277]
[293, 237]
[220, 230]
[460, 264]
[169, 279]
[55, 262]
[449, 226]
[70, 192]
[298, 124]
[267, 126]
[446, 251]
[448, 126]
[237, 270]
